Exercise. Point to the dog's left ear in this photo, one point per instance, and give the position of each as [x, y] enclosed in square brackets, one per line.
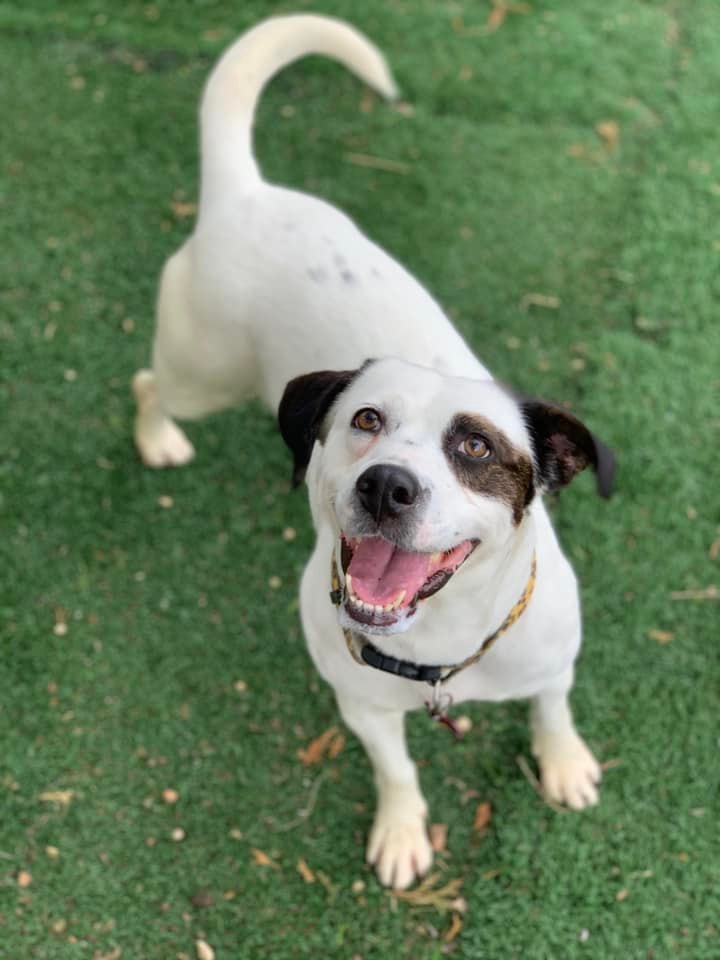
[303, 408]
[564, 446]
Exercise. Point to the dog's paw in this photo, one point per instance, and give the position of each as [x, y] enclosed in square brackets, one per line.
[398, 845]
[163, 445]
[160, 442]
[569, 772]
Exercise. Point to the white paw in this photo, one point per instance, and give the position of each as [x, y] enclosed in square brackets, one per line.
[160, 442]
[163, 444]
[569, 772]
[398, 845]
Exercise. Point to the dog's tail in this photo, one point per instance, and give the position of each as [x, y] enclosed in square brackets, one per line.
[234, 87]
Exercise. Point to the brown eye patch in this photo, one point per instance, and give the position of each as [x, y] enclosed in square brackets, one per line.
[486, 461]
[476, 447]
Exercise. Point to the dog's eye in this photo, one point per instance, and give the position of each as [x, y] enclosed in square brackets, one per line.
[476, 447]
[367, 419]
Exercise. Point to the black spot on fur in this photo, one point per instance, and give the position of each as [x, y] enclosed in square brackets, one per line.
[317, 274]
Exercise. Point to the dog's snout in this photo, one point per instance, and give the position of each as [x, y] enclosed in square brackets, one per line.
[386, 490]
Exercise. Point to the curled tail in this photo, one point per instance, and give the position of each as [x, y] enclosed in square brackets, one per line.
[234, 87]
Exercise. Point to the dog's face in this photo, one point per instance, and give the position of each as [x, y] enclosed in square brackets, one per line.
[417, 471]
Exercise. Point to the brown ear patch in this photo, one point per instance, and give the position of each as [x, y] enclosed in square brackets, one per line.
[506, 474]
[564, 446]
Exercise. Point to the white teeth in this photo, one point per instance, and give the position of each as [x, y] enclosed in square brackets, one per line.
[436, 558]
[372, 608]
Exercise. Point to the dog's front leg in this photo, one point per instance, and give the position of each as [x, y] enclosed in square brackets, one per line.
[569, 771]
[398, 844]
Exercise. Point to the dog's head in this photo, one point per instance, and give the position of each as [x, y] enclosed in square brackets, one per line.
[417, 471]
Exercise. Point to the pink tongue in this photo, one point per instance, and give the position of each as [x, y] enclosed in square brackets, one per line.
[380, 570]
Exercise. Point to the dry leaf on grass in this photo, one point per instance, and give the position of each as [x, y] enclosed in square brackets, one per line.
[445, 899]
[547, 300]
[331, 888]
[483, 815]
[202, 899]
[662, 636]
[367, 102]
[114, 954]
[499, 12]
[63, 798]
[261, 859]
[438, 836]
[714, 551]
[304, 870]
[169, 795]
[497, 16]
[609, 131]
[204, 951]
[24, 878]
[183, 210]
[454, 929]
[705, 593]
[328, 744]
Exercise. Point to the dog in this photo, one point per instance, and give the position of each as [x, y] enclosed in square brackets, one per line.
[425, 476]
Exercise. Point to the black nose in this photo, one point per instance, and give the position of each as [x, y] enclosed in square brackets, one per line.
[386, 490]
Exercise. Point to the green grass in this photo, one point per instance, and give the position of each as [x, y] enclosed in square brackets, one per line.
[508, 191]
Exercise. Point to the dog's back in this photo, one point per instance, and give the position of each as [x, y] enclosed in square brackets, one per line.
[275, 282]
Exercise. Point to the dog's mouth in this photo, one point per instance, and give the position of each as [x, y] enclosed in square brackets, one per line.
[384, 583]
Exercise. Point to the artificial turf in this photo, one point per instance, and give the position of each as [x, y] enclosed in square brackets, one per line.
[556, 183]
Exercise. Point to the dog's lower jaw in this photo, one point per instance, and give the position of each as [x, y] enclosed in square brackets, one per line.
[348, 622]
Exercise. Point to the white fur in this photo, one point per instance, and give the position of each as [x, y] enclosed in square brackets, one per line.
[275, 283]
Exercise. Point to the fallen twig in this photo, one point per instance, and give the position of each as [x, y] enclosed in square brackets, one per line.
[377, 163]
[707, 593]
[445, 899]
[536, 785]
[304, 814]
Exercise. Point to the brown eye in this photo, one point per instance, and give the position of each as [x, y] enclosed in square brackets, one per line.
[476, 447]
[368, 420]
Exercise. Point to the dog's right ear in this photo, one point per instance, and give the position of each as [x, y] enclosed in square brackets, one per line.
[303, 408]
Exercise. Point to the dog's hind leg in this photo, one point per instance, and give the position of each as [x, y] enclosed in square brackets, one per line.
[569, 772]
[198, 368]
[398, 845]
[160, 442]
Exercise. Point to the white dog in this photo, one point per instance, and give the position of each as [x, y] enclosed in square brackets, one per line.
[425, 475]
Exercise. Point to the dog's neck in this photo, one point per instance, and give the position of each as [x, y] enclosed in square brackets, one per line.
[455, 621]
